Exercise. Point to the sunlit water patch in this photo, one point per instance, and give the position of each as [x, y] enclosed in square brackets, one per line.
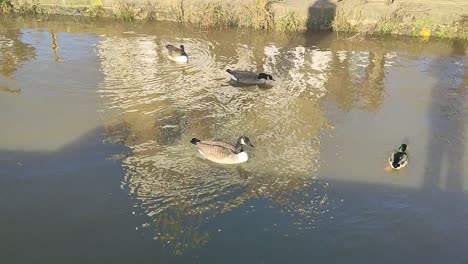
[157, 106]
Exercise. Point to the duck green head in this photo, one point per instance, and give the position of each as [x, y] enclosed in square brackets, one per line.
[403, 148]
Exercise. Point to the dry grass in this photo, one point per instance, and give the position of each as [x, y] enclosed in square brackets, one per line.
[126, 11]
[5, 6]
[257, 14]
[150, 11]
[95, 11]
[348, 22]
[399, 22]
[387, 25]
[262, 14]
[33, 8]
[290, 22]
[457, 29]
[211, 14]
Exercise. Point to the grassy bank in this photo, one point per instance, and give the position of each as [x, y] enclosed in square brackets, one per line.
[256, 14]
[348, 16]
[400, 22]
[420, 18]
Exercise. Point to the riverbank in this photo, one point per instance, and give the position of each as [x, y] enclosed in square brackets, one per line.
[426, 18]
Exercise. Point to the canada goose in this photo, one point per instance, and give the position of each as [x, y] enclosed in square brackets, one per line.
[246, 77]
[221, 152]
[399, 159]
[177, 54]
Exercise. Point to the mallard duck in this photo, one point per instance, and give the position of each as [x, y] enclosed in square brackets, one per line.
[246, 77]
[177, 54]
[221, 152]
[399, 159]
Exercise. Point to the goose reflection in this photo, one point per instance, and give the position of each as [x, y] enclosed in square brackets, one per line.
[156, 112]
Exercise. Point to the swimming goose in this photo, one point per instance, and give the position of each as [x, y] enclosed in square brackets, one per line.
[177, 54]
[399, 159]
[221, 152]
[246, 77]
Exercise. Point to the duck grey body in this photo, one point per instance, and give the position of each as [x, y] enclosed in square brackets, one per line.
[221, 152]
[177, 54]
[246, 77]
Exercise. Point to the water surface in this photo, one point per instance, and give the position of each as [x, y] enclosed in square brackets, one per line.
[96, 164]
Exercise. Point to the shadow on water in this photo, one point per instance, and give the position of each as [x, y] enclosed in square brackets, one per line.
[446, 146]
[320, 16]
[68, 206]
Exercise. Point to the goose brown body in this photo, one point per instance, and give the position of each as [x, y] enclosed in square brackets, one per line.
[221, 152]
[177, 54]
[247, 77]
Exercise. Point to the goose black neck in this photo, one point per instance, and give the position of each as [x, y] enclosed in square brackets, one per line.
[238, 147]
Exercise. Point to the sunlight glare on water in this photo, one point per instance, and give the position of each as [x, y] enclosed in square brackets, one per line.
[161, 105]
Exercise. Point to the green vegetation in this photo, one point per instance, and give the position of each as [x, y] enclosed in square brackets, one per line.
[399, 23]
[424, 26]
[423, 23]
[388, 25]
[5, 6]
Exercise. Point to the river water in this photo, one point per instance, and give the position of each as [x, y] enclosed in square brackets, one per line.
[96, 164]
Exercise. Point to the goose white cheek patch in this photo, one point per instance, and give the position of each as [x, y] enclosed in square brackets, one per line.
[233, 77]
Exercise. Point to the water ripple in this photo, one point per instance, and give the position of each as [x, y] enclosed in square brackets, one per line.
[161, 105]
